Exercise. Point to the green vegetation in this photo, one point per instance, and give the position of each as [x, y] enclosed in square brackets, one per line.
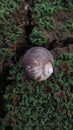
[46, 22]
[70, 4]
[42, 15]
[68, 26]
[34, 105]
[10, 29]
[38, 37]
[7, 7]
[41, 105]
[44, 8]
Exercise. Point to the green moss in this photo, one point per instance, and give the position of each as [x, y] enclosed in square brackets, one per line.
[69, 4]
[68, 26]
[35, 105]
[37, 37]
[41, 105]
[12, 31]
[43, 12]
[47, 23]
[10, 28]
[47, 7]
[7, 7]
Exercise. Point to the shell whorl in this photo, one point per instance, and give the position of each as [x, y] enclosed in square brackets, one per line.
[48, 69]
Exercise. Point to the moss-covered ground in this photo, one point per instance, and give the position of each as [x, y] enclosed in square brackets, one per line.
[27, 104]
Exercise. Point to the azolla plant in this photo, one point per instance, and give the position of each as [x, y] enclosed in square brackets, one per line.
[43, 105]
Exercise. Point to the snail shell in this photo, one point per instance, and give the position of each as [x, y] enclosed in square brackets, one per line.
[37, 63]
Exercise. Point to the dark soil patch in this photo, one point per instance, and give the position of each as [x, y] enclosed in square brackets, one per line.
[62, 16]
[3, 84]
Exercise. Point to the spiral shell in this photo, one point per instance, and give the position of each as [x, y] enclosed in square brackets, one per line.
[37, 63]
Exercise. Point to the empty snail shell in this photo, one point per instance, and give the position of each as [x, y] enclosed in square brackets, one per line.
[37, 63]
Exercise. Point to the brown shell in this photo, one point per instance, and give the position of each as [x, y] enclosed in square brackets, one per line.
[36, 56]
